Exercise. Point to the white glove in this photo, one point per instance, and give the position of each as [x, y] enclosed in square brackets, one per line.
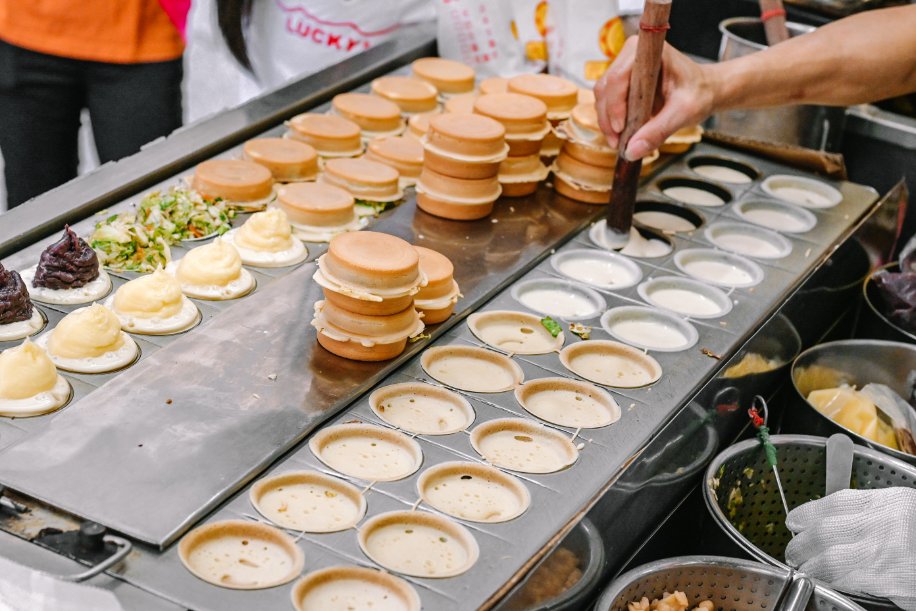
[860, 540]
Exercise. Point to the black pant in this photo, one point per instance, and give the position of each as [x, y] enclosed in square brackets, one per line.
[41, 97]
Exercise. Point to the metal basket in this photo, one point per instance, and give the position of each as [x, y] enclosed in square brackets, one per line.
[731, 584]
[755, 525]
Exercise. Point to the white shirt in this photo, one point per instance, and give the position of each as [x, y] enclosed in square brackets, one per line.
[286, 39]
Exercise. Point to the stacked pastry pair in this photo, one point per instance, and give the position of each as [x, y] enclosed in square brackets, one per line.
[584, 169]
[462, 154]
[525, 121]
[560, 96]
[369, 281]
[369, 182]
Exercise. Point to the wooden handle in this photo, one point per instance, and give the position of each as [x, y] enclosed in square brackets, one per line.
[647, 65]
[643, 81]
[773, 15]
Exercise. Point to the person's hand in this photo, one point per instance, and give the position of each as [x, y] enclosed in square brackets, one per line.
[861, 540]
[684, 97]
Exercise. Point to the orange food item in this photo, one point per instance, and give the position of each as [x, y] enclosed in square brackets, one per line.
[412, 95]
[402, 153]
[316, 204]
[448, 76]
[330, 135]
[288, 160]
[363, 178]
[559, 94]
[233, 180]
[373, 114]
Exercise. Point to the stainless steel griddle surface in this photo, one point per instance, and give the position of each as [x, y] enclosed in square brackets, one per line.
[159, 445]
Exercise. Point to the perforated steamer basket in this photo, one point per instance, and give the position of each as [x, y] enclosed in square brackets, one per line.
[743, 501]
[730, 584]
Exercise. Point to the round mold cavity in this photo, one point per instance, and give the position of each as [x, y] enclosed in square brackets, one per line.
[472, 369]
[418, 544]
[723, 169]
[241, 555]
[649, 328]
[611, 364]
[524, 446]
[597, 268]
[667, 218]
[559, 298]
[685, 296]
[367, 452]
[748, 240]
[568, 402]
[801, 191]
[778, 216]
[308, 501]
[474, 492]
[694, 192]
[719, 268]
[650, 244]
[353, 587]
[514, 332]
[421, 408]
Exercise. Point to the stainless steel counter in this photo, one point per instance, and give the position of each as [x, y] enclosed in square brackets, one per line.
[125, 456]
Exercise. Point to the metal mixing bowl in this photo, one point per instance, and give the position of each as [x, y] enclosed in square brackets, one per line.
[755, 526]
[584, 541]
[855, 362]
[731, 584]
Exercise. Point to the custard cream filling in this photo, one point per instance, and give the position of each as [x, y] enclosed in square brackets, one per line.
[535, 176]
[439, 303]
[323, 326]
[26, 371]
[579, 184]
[366, 192]
[473, 158]
[327, 281]
[295, 253]
[89, 332]
[324, 233]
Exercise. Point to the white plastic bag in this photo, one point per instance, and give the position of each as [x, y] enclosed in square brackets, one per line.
[585, 36]
[24, 589]
[492, 36]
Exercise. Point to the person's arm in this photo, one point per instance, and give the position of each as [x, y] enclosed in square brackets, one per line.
[866, 57]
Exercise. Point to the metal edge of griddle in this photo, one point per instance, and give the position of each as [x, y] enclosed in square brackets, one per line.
[190, 144]
[518, 580]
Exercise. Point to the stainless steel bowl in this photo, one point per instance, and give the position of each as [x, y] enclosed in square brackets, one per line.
[731, 584]
[584, 541]
[855, 362]
[754, 527]
[873, 324]
[814, 127]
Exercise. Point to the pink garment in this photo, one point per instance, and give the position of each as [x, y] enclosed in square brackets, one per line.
[177, 10]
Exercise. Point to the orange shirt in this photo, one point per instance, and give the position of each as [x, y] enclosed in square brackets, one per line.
[113, 31]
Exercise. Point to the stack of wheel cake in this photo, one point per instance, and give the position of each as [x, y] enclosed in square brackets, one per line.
[462, 154]
[369, 281]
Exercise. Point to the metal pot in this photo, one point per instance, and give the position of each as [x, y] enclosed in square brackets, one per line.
[584, 541]
[855, 362]
[754, 527]
[873, 324]
[814, 127]
[727, 582]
